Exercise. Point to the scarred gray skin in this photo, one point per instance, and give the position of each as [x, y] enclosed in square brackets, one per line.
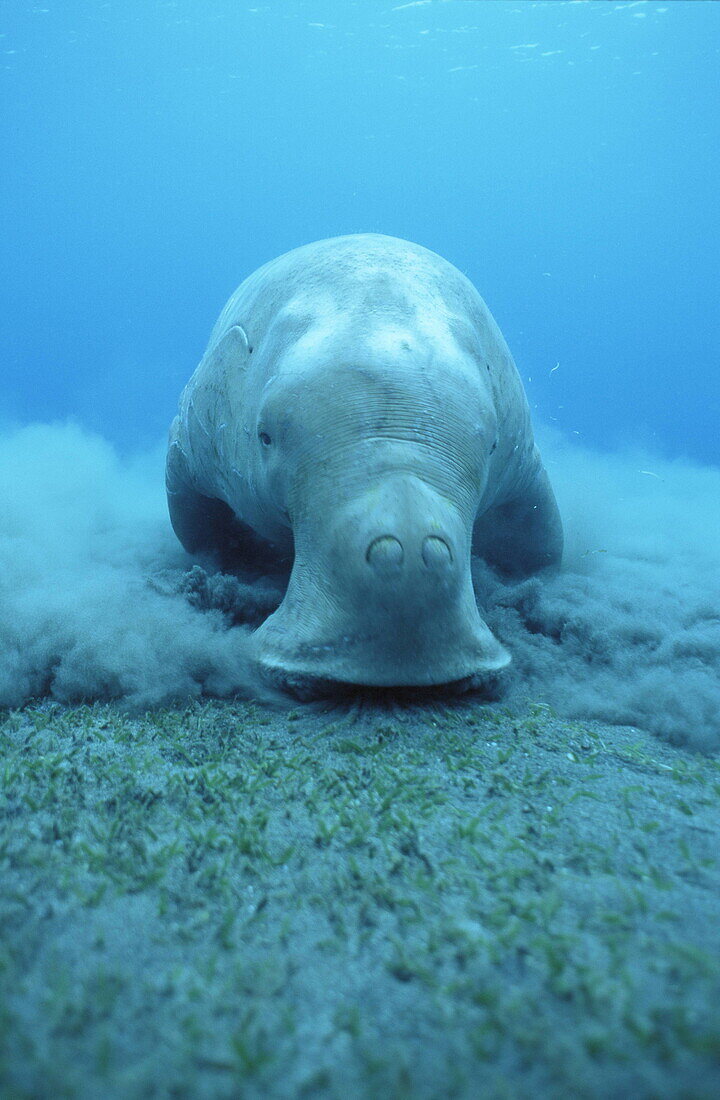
[357, 413]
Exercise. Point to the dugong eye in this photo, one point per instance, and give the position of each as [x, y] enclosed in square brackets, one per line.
[264, 439]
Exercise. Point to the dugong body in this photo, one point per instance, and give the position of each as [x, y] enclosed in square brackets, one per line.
[357, 414]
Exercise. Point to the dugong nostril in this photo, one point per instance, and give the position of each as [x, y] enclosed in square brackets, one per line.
[384, 553]
[436, 552]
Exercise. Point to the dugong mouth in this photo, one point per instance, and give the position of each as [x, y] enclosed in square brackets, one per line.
[466, 657]
[306, 688]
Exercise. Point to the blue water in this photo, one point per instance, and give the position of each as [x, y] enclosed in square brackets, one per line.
[566, 156]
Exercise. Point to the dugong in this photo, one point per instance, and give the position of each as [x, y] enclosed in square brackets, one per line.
[358, 415]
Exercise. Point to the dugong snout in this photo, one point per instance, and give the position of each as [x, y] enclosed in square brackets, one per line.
[382, 596]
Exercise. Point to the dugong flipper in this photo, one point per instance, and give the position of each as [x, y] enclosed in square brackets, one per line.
[358, 415]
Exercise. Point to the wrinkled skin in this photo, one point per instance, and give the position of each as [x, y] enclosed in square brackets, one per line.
[358, 415]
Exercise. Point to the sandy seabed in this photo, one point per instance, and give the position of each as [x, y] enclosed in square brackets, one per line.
[367, 899]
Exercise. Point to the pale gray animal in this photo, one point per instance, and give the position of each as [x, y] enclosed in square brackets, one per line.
[358, 414]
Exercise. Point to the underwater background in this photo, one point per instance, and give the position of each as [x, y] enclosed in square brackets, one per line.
[565, 156]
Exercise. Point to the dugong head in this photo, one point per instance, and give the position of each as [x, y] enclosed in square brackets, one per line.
[377, 462]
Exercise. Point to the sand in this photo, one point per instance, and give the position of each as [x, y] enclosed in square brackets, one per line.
[367, 899]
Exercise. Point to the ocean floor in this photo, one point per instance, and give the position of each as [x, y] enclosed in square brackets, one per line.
[366, 899]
